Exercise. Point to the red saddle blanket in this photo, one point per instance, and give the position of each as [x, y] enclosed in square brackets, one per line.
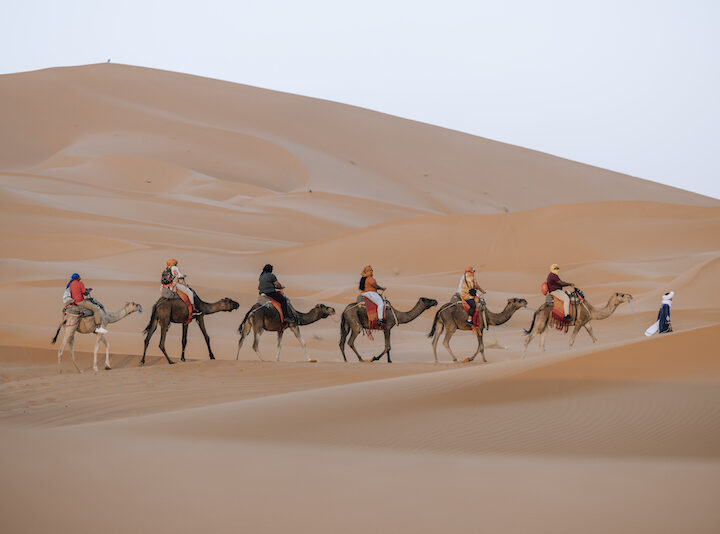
[189, 305]
[476, 315]
[372, 314]
[278, 307]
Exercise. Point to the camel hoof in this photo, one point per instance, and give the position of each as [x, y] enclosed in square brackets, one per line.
[212, 357]
[312, 361]
[108, 368]
[95, 369]
[141, 364]
[182, 359]
[171, 362]
[466, 360]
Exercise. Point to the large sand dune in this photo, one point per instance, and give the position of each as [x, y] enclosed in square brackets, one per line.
[108, 170]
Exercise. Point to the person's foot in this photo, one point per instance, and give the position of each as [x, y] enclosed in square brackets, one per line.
[381, 322]
[567, 318]
[100, 330]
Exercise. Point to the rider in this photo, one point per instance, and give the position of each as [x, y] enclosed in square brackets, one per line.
[369, 289]
[270, 287]
[555, 286]
[468, 289]
[78, 292]
[177, 282]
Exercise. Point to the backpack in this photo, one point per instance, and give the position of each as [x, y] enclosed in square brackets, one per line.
[67, 297]
[167, 277]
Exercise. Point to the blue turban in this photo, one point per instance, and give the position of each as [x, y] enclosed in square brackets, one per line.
[75, 276]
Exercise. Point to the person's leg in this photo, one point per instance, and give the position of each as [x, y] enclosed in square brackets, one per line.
[559, 293]
[186, 290]
[93, 308]
[471, 311]
[377, 300]
[276, 295]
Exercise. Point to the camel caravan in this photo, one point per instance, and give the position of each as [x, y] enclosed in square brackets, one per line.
[370, 312]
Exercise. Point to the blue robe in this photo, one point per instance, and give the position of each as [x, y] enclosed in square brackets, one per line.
[664, 318]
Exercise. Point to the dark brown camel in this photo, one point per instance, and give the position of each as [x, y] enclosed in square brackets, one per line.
[452, 317]
[261, 317]
[168, 311]
[586, 313]
[354, 320]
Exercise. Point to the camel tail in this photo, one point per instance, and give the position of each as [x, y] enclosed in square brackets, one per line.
[532, 324]
[435, 321]
[57, 333]
[240, 328]
[152, 319]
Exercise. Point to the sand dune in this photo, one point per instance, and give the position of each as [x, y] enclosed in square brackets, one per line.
[108, 170]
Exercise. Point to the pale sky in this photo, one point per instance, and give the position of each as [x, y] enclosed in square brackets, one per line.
[631, 86]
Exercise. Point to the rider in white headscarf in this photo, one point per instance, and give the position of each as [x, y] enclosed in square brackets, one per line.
[662, 325]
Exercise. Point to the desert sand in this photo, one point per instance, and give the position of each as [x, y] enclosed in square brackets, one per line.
[108, 170]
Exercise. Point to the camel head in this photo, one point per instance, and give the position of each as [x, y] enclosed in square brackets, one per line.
[131, 307]
[621, 297]
[516, 304]
[428, 303]
[227, 304]
[325, 311]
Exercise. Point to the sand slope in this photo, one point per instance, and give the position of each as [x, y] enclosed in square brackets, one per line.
[108, 170]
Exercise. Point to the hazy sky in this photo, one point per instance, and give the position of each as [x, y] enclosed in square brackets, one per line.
[632, 86]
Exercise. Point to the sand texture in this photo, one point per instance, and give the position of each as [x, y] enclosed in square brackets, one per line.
[109, 170]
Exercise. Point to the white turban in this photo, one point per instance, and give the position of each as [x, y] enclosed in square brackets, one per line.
[667, 298]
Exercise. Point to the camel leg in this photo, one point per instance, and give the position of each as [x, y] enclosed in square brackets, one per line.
[574, 334]
[243, 334]
[387, 347]
[61, 349]
[72, 352]
[153, 327]
[590, 331]
[107, 352]
[201, 323]
[449, 331]
[257, 332]
[163, 333]
[480, 349]
[279, 346]
[528, 338]
[184, 341]
[435, 340]
[95, 351]
[351, 341]
[296, 330]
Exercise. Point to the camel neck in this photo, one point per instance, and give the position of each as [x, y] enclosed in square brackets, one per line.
[309, 317]
[605, 312]
[406, 317]
[503, 316]
[114, 317]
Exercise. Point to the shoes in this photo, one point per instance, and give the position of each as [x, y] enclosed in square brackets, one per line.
[567, 318]
[100, 330]
[469, 322]
[381, 322]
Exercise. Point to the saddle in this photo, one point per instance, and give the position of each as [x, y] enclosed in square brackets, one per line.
[478, 309]
[74, 309]
[557, 315]
[264, 300]
[372, 311]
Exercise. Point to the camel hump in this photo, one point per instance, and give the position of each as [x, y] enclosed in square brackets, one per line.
[168, 294]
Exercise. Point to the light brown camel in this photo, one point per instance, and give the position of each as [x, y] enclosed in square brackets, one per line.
[354, 320]
[452, 317]
[261, 317]
[586, 313]
[86, 325]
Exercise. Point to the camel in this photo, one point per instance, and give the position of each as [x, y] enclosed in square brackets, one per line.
[261, 317]
[586, 313]
[166, 311]
[354, 320]
[73, 323]
[452, 317]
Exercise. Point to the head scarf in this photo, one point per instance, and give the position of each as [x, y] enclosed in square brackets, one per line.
[75, 276]
[172, 262]
[555, 268]
[667, 298]
[469, 270]
[367, 271]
